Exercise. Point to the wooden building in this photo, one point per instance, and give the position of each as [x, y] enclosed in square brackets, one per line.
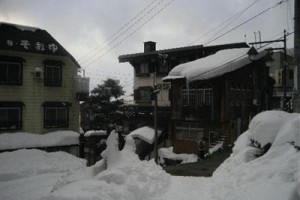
[150, 67]
[217, 95]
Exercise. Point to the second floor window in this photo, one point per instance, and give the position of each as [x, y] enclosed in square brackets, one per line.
[143, 69]
[10, 73]
[53, 73]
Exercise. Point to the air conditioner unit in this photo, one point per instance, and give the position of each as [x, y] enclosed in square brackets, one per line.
[38, 73]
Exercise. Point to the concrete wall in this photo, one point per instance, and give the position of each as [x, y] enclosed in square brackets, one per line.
[33, 93]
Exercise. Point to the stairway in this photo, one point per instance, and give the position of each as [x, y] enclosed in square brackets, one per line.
[296, 103]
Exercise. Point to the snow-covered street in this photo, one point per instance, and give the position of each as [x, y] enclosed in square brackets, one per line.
[265, 164]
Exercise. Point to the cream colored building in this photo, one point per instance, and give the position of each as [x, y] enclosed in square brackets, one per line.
[39, 86]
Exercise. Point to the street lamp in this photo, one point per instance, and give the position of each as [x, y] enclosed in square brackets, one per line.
[252, 53]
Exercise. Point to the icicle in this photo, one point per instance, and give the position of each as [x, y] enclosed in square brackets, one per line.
[188, 91]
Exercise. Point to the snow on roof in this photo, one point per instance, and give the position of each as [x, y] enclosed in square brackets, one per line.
[213, 66]
[29, 140]
[145, 133]
[95, 133]
[21, 27]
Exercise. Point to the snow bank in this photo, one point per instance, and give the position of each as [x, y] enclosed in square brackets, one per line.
[95, 133]
[126, 177]
[30, 140]
[31, 174]
[212, 66]
[21, 163]
[275, 174]
[145, 133]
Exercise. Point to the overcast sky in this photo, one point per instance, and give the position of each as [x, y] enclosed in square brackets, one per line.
[96, 32]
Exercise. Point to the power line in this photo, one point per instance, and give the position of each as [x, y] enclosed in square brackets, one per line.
[234, 59]
[116, 32]
[117, 36]
[128, 36]
[227, 22]
[241, 24]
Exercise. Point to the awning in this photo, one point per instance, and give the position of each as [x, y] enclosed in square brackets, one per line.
[11, 59]
[53, 62]
[56, 104]
[11, 104]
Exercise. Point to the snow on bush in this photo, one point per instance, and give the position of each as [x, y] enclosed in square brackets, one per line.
[265, 126]
[145, 133]
[169, 154]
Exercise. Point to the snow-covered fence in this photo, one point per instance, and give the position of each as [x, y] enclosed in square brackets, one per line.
[67, 141]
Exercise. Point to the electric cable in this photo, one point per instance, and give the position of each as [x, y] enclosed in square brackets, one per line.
[226, 23]
[128, 36]
[245, 22]
[117, 36]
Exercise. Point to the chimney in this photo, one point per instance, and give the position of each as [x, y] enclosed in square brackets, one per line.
[149, 46]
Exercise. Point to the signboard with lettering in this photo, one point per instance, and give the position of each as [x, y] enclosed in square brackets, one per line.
[33, 41]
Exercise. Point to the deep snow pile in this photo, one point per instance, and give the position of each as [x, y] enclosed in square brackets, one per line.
[256, 172]
[126, 177]
[264, 165]
[31, 174]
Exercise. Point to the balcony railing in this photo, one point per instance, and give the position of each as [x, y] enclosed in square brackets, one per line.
[82, 86]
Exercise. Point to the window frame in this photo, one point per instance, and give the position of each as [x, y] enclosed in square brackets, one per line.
[50, 81]
[56, 106]
[8, 62]
[138, 94]
[143, 69]
[12, 106]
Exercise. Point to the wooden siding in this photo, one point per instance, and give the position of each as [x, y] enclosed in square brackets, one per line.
[33, 93]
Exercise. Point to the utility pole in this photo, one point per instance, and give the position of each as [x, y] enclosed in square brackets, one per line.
[284, 64]
[297, 41]
[155, 92]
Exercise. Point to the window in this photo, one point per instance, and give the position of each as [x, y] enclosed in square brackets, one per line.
[143, 94]
[143, 69]
[56, 115]
[11, 115]
[10, 73]
[53, 73]
[197, 97]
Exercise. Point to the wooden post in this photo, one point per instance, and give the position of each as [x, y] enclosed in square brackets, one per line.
[81, 145]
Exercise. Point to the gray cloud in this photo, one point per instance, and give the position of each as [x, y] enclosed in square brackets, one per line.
[80, 26]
